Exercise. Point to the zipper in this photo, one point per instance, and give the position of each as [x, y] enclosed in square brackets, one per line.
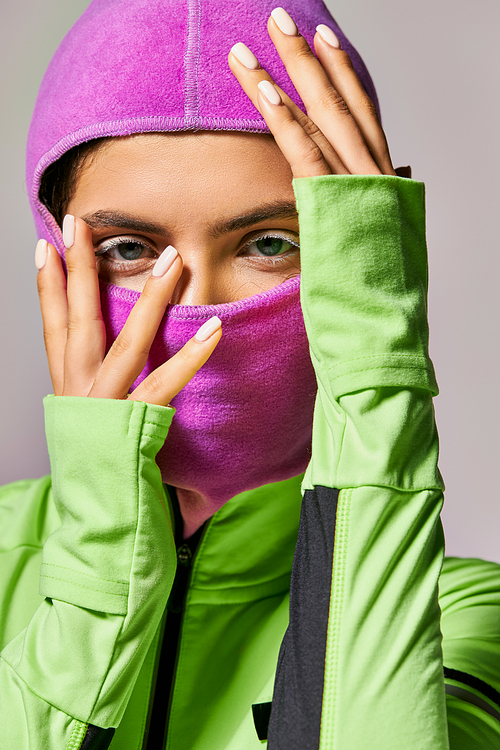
[155, 734]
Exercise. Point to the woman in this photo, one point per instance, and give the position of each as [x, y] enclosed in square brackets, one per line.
[168, 539]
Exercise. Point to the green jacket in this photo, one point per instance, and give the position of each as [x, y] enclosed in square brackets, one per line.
[88, 557]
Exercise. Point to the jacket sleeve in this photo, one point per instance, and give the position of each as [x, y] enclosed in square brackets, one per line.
[361, 664]
[105, 577]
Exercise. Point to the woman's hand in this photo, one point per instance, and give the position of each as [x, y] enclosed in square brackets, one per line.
[341, 133]
[75, 337]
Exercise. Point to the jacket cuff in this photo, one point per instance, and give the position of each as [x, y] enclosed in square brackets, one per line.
[101, 452]
[364, 281]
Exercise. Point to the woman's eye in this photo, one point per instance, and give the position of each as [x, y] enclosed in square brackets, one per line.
[125, 250]
[271, 246]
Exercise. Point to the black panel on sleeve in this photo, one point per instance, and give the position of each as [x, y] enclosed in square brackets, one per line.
[97, 738]
[261, 714]
[298, 689]
[473, 682]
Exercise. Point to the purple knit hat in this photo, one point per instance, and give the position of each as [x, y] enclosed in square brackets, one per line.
[132, 66]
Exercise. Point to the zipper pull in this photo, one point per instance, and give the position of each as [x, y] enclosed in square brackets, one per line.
[184, 555]
[179, 588]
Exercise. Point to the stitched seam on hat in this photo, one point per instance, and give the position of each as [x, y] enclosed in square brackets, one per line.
[191, 59]
[126, 127]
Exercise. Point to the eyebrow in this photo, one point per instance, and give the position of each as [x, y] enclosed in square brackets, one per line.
[266, 212]
[275, 210]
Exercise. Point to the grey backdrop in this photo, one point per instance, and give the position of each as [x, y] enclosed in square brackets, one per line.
[436, 66]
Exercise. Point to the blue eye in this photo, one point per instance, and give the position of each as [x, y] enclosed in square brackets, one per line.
[129, 250]
[271, 246]
[125, 250]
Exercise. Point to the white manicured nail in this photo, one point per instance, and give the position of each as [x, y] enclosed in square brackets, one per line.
[68, 230]
[328, 35]
[165, 261]
[285, 23]
[245, 56]
[41, 253]
[269, 91]
[208, 328]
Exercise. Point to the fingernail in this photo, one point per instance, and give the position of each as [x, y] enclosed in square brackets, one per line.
[68, 230]
[270, 92]
[41, 253]
[165, 261]
[245, 56]
[208, 328]
[328, 35]
[285, 23]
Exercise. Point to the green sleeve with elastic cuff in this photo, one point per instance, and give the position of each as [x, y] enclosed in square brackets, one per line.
[364, 299]
[106, 575]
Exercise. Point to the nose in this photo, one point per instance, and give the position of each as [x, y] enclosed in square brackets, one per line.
[199, 283]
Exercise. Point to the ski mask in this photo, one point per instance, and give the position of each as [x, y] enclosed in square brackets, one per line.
[137, 66]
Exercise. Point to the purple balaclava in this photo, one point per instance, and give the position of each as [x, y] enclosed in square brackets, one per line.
[135, 66]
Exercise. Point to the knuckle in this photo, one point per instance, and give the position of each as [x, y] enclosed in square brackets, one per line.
[125, 345]
[309, 153]
[311, 129]
[80, 265]
[186, 358]
[121, 345]
[148, 294]
[343, 60]
[153, 384]
[71, 262]
[303, 52]
[81, 321]
[333, 102]
[52, 336]
[41, 283]
[76, 326]
[366, 106]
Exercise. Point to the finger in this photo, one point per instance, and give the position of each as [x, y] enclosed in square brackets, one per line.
[166, 381]
[324, 104]
[293, 131]
[311, 129]
[51, 283]
[86, 341]
[303, 154]
[129, 352]
[340, 71]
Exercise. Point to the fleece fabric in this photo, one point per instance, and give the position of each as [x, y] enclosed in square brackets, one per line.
[80, 665]
[241, 403]
[131, 66]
